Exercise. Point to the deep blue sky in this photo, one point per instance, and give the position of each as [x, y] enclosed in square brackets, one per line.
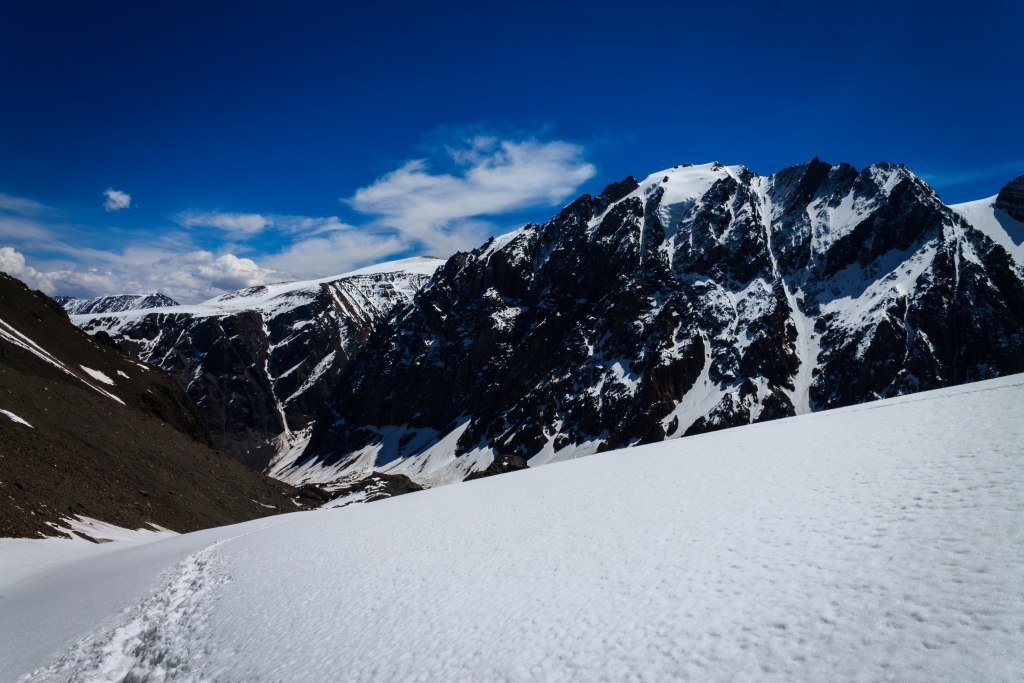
[286, 108]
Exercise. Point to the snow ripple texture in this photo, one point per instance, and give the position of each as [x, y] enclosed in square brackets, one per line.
[159, 639]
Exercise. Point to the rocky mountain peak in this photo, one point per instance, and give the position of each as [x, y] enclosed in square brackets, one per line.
[701, 297]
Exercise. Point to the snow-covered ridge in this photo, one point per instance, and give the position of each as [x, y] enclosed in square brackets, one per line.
[113, 304]
[682, 185]
[269, 299]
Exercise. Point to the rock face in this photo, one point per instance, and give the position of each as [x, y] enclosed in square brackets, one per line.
[260, 363]
[113, 304]
[376, 486]
[700, 298]
[501, 465]
[86, 431]
[1011, 198]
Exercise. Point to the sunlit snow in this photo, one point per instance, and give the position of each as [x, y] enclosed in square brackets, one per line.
[15, 418]
[876, 542]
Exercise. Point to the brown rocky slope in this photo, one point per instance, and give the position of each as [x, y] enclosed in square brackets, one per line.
[110, 438]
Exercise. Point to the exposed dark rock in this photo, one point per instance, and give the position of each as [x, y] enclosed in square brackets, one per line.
[702, 298]
[378, 486]
[311, 495]
[500, 465]
[1011, 198]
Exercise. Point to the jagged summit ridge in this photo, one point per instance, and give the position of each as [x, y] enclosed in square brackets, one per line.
[114, 304]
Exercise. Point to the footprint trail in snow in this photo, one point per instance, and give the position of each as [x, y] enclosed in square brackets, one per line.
[156, 639]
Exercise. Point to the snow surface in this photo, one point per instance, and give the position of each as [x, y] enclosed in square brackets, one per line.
[877, 542]
[15, 418]
[23, 557]
[98, 376]
[1002, 228]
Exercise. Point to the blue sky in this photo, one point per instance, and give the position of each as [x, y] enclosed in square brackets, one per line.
[256, 141]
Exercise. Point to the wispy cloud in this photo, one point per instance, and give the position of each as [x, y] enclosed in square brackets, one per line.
[244, 226]
[21, 206]
[335, 252]
[443, 211]
[234, 224]
[116, 200]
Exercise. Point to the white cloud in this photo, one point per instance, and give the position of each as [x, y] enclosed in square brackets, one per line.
[165, 262]
[115, 200]
[492, 177]
[185, 276]
[415, 208]
[12, 262]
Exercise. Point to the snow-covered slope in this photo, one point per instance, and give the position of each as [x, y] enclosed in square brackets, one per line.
[260, 362]
[1000, 217]
[113, 304]
[997, 224]
[874, 542]
[701, 297]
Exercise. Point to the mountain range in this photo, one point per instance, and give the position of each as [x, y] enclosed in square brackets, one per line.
[699, 298]
[259, 362]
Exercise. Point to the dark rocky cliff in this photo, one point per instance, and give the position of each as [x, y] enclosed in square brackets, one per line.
[701, 298]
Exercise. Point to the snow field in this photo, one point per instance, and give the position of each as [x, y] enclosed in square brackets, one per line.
[882, 541]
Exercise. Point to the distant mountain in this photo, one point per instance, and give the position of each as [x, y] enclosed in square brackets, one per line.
[113, 304]
[699, 298]
[260, 363]
[87, 432]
